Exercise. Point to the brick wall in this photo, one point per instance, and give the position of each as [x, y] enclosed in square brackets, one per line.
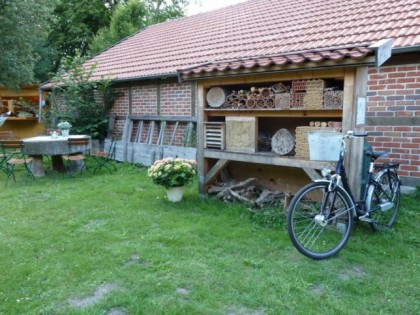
[175, 99]
[393, 109]
[120, 106]
[144, 100]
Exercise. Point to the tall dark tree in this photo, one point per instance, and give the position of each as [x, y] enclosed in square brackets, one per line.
[75, 23]
[127, 18]
[131, 15]
[21, 23]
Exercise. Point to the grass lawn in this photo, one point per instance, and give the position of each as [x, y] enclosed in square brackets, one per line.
[113, 244]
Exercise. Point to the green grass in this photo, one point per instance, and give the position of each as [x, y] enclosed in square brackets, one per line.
[62, 239]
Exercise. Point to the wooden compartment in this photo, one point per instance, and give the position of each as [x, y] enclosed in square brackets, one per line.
[214, 135]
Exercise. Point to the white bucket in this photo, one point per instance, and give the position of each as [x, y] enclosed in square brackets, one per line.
[324, 145]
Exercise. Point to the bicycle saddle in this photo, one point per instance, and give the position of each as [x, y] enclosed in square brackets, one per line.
[376, 154]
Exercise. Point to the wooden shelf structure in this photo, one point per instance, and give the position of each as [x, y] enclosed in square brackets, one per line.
[212, 161]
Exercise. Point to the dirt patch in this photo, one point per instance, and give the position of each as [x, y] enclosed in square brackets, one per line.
[316, 289]
[100, 293]
[353, 272]
[116, 311]
[182, 291]
[135, 260]
[245, 311]
[92, 225]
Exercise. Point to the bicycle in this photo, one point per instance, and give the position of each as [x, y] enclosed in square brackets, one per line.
[321, 215]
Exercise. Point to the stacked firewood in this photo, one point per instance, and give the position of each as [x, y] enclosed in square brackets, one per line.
[247, 191]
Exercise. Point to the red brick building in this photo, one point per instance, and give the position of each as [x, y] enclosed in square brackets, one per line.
[166, 70]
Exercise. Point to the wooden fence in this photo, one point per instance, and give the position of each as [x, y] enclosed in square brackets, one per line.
[146, 139]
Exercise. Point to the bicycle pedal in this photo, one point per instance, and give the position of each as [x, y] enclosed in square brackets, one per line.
[366, 218]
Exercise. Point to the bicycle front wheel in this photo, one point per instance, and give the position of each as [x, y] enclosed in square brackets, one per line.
[319, 222]
[383, 201]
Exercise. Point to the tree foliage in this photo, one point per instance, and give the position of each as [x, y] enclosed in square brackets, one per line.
[21, 24]
[131, 15]
[75, 23]
[79, 100]
[163, 10]
[36, 34]
[127, 18]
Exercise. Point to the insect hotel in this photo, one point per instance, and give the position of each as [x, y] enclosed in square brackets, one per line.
[259, 127]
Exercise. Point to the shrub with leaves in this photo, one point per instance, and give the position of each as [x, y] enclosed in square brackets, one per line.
[172, 172]
[79, 99]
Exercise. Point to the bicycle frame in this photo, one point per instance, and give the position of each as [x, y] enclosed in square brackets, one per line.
[360, 206]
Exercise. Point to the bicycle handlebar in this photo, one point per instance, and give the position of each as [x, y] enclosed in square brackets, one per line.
[351, 134]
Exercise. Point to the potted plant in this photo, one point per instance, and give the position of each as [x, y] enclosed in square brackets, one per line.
[64, 126]
[174, 175]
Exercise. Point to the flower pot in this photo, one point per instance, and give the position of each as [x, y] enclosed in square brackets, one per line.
[65, 132]
[175, 193]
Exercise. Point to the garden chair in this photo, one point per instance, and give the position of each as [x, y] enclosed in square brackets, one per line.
[6, 135]
[75, 160]
[15, 156]
[105, 159]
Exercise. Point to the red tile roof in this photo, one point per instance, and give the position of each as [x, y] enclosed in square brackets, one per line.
[289, 30]
[295, 58]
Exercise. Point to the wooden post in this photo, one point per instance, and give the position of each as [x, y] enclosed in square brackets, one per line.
[355, 85]
[200, 139]
[356, 154]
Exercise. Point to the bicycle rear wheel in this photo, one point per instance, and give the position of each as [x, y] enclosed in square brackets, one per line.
[383, 201]
[320, 222]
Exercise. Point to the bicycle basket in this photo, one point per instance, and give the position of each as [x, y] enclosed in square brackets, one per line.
[324, 145]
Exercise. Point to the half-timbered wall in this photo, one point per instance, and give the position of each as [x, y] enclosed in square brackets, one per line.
[153, 119]
[393, 116]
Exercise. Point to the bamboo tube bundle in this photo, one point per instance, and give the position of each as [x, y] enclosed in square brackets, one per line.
[242, 102]
[251, 103]
[270, 102]
[261, 103]
[264, 92]
[232, 100]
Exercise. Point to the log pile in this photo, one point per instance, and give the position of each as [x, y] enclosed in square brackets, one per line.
[248, 192]
[283, 142]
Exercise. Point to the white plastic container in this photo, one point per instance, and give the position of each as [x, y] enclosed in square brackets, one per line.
[324, 145]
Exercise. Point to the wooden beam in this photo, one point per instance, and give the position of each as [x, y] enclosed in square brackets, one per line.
[130, 100]
[355, 156]
[331, 113]
[269, 158]
[111, 124]
[150, 133]
[276, 77]
[215, 170]
[201, 166]
[193, 98]
[174, 133]
[161, 118]
[158, 98]
[313, 174]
